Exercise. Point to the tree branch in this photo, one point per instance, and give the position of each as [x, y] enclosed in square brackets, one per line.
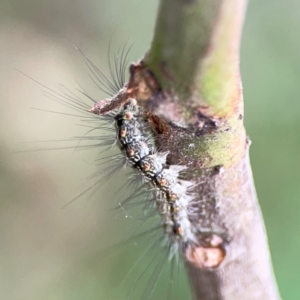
[190, 83]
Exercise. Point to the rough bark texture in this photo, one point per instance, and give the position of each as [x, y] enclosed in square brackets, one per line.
[194, 60]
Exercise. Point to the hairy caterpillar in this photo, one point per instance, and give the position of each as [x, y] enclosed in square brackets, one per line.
[158, 181]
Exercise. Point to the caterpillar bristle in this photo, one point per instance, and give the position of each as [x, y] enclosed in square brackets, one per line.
[156, 195]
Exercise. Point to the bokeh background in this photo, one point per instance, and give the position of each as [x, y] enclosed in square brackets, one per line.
[47, 252]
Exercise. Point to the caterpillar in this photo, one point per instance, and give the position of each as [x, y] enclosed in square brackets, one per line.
[160, 183]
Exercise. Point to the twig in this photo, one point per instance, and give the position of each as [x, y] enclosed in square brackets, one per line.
[195, 59]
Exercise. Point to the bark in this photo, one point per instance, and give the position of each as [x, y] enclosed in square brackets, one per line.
[246, 272]
[194, 82]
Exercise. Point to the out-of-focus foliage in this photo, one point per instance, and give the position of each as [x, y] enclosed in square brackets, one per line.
[53, 253]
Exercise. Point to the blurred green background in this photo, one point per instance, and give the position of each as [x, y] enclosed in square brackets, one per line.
[52, 253]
